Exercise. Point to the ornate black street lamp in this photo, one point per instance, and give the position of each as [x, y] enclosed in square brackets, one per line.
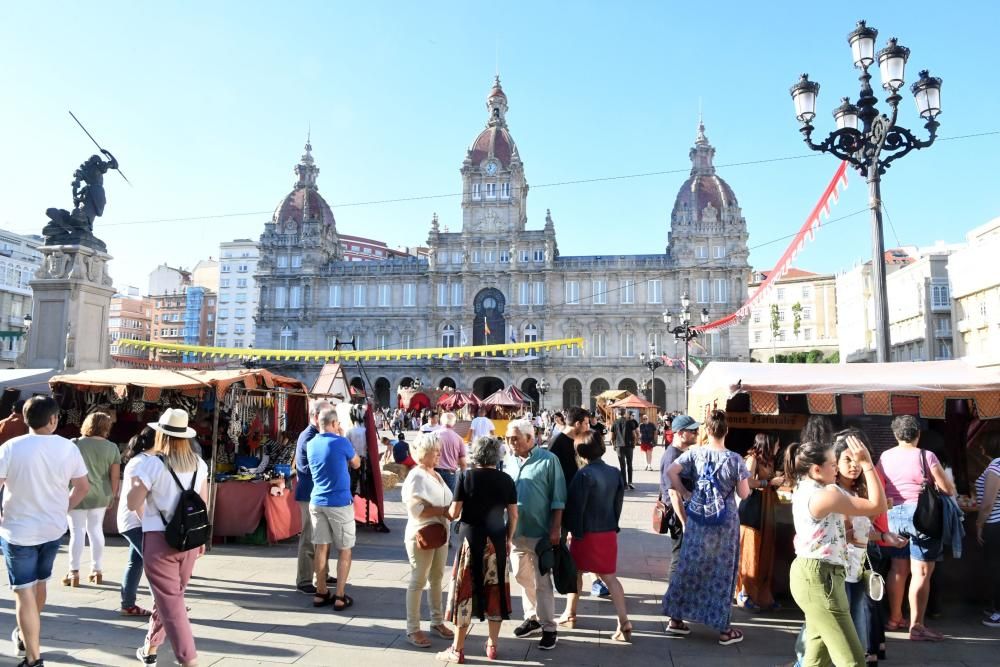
[684, 332]
[249, 361]
[652, 362]
[543, 388]
[879, 141]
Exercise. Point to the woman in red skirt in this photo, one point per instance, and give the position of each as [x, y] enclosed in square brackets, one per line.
[593, 507]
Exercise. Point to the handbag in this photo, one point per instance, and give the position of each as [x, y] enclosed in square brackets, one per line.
[432, 536]
[665, 521]
[751, 510]
[928, 518]
[874, 583]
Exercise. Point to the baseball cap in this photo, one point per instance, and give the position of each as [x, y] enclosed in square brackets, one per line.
[684, 423]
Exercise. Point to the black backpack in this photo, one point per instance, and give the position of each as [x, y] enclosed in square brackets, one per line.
[188, 527]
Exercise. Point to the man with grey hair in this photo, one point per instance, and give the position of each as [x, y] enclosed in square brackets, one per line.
[303, 487]
[331, 505]
[541, 497]
[452, 450]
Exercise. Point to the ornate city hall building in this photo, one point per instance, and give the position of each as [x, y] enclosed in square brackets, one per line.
[498, 281]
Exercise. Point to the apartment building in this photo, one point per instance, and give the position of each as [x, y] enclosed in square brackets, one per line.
[806, 307]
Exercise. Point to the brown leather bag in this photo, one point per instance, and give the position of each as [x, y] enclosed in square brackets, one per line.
[432, 536]
[661, 517]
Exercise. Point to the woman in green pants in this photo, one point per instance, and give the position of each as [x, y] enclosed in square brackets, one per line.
[818, 571]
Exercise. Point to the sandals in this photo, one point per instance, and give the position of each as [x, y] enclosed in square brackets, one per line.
[744, 601]
[443, 631]
[451, 655]
[145, 658]
[896, 626]
[96, 578]
[567, 621]
[678, 628]
[624, 634]
[418, 639]
[921, 633]
[491, 650]
[72, 579]
[134, 610]
[324, 599]
[344, 600]
[730, 636]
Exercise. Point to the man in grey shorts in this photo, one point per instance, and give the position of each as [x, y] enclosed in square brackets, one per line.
[331, 506]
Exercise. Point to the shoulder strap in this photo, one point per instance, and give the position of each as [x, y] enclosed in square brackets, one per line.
[174, 475]
[923, 464]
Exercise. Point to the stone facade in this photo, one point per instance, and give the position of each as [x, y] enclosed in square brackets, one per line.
[816, 297]
[496, 281]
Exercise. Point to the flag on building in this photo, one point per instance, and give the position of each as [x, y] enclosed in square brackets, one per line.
[486, 326]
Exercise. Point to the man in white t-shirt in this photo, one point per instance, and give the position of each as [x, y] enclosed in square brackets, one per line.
[36, 470]
[482, 426]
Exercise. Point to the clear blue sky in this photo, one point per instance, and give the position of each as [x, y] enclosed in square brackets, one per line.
[206, 105]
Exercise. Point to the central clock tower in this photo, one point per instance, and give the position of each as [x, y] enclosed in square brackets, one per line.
[494, 192]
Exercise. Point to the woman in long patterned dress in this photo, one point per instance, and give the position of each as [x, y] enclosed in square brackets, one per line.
[702, 588]
[754, 582]
[480, 586]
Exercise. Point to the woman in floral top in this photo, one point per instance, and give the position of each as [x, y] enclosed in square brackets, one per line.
[821, 547]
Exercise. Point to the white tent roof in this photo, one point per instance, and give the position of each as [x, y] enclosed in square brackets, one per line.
[930, 380]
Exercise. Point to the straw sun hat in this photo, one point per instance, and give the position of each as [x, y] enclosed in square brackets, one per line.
[173, 422]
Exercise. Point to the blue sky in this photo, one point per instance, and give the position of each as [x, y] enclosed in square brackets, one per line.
[206, 105]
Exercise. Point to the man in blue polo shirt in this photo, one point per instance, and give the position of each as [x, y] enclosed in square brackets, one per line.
[541, 497]
[303, 488]
[331, 506]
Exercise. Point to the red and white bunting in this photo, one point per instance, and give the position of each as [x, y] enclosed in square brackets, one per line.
[806, 233]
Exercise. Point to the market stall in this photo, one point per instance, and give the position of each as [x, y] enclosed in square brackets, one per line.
[638, 404]
[959, 406]
[243, 419]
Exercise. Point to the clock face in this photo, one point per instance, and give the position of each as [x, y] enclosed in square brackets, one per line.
[491, 168]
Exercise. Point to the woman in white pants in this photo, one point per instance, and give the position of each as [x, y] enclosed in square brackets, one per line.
[87, 519]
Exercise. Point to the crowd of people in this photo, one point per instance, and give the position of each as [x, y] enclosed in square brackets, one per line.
[538, 505]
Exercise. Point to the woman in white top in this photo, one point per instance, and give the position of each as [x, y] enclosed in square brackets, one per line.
[427, 498]
[130, 524]
[818, 572]
[155, 491]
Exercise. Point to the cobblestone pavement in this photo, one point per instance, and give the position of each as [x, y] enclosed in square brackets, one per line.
[246, 612]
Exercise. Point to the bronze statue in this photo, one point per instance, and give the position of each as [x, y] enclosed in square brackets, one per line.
[89, 200]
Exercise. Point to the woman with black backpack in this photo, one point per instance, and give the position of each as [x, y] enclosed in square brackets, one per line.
[706, 575]
[172, 488]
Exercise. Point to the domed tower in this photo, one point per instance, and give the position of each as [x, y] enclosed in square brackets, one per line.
[707, 227]
[302, 223]
[494, 190]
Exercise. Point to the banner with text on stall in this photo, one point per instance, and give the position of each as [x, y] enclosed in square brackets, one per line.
[806, 233]
[488, 351]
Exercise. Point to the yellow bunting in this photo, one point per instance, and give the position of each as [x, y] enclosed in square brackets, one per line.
[365, 355]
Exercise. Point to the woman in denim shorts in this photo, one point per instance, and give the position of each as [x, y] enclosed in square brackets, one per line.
[902, 468]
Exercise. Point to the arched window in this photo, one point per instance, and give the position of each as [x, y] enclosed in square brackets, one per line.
[449, 337]
[530, 333]
[287, 338]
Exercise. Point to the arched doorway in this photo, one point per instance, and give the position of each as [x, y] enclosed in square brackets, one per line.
[406, 381]
[530, 388]
[489, 327]
[628, 384]
[572, 393]
[447, 382]
[485, 386]
[597, 387]
[382, 392]
[660, 394]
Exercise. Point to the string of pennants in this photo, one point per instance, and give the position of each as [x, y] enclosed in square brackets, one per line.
[356, 355]
[805, 234]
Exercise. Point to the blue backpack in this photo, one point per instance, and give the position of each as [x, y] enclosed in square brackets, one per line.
[707, 504]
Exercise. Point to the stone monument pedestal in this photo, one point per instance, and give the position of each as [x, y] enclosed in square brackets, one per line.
[71, 304]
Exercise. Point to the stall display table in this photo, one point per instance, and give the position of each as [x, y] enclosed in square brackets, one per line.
[239, 507]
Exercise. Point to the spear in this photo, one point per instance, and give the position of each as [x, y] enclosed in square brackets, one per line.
[97, 144]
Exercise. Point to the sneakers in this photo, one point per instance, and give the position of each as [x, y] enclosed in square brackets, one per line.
[308, 589]
[145, 658]
[993, 621]
[599, 590]
[548, 641]
[15, 639]
[528, 628]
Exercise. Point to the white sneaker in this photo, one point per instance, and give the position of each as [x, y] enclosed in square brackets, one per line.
[15, 638]
[993, 621]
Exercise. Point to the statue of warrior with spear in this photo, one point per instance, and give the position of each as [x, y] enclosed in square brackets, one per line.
[89, 200]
